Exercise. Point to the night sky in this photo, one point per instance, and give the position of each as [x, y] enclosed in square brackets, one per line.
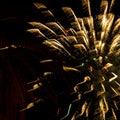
[21, 7]
[14, 13]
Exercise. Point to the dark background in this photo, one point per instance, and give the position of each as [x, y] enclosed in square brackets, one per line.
[19, 8]
[14, 13]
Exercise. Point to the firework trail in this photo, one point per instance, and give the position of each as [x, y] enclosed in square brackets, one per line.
[82, 61]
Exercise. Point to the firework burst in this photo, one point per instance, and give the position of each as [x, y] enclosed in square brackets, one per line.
[80, 63]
